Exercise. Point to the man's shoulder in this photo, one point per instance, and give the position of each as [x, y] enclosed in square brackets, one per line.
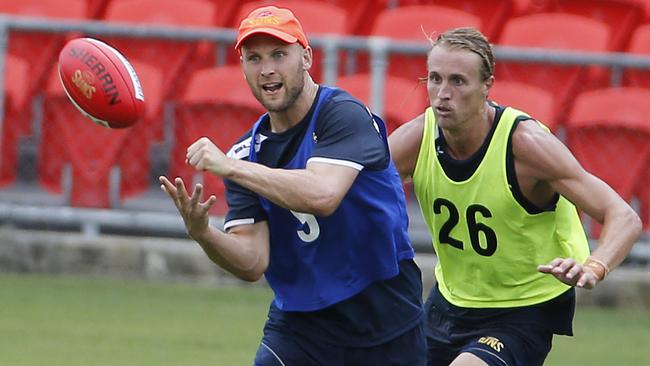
[413, 128]
[341, 94]
[535, 146]
[343, 107]
[341, 100]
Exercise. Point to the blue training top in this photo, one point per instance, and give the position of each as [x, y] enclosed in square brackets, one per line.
[319, 261]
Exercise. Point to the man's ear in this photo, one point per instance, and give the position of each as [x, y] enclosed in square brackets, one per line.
[488, 84]
[307, 58]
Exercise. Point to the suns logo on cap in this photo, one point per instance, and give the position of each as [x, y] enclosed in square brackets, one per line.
[269, 19]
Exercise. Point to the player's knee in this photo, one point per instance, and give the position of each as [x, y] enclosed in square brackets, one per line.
[468, 359]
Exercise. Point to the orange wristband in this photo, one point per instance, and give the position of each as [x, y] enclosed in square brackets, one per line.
[599, 267]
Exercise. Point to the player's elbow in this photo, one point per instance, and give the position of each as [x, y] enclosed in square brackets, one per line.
[324, 211]
[636, 226]
[253, 268]
[625, 220]
[325, 203]
[250, 276]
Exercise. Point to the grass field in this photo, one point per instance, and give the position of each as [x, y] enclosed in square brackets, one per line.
[78, 321]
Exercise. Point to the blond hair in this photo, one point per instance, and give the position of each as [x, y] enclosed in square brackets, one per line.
[469, 39]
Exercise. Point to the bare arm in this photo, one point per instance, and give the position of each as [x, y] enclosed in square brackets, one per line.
[242, 251]
[541, 158]
[404, 145]
[318, 189]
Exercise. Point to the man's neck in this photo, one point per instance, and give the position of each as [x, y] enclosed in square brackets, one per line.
[464, 142]
[282, 121]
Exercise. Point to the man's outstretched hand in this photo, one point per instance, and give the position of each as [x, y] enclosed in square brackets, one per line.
[192, 210]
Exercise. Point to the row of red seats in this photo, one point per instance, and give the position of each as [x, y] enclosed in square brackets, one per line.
[360, 14]
[151, 57]
[608, 30]
[217, 103]
[547, 30]
[608, 130]
[603, 127]
[385, 17]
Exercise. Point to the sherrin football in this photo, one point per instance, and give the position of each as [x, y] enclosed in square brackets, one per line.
[101, 83]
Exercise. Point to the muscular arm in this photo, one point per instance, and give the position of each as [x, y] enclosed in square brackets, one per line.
[544, 165]
[404, 145]
[242, 251]
[317, 190]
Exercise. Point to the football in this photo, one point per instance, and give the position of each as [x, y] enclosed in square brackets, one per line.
[101, 83]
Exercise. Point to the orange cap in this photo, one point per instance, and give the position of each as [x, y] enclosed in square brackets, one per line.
[277, 22]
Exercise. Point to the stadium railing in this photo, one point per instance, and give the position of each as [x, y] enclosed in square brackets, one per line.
[31, 212]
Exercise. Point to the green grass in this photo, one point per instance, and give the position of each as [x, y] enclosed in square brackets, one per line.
[73, 321]
[88, 321]
[605, 337]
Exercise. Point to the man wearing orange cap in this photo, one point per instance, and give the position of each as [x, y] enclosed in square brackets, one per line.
[317, 207]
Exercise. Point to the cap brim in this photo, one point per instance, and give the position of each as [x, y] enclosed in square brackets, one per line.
[270, 31]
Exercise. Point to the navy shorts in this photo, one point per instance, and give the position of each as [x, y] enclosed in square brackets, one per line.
[284, 348]
[499, 337]
[501, 346]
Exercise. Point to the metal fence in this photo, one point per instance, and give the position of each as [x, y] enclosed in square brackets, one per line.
[50, 191]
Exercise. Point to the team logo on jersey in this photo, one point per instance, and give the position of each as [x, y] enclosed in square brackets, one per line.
[439, 149]
[314, 137]
[493, 342]
[242, 149]
[374, 123]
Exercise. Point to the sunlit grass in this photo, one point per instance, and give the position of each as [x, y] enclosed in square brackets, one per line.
[89, 321]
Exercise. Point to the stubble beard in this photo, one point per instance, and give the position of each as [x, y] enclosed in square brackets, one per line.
[290, 98]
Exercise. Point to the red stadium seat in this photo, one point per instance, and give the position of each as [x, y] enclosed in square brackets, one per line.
[207, 54]
[217, 104]
[96, 8]
[15, 89]
[621, 16]
[492, 13]
[608, 129]
[415, 23]
[174, 59]
[68, 138]
[403, 99]
[639, 44]
[16, 80]
[527, 7]
[163, 12]
[134, 157]
[550, 31]
[538, 103]
[170, 57]
[226, 11]
[39, 49]
[645, 4]
[311, 14]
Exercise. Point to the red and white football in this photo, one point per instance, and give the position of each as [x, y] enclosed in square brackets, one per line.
[101, 83]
